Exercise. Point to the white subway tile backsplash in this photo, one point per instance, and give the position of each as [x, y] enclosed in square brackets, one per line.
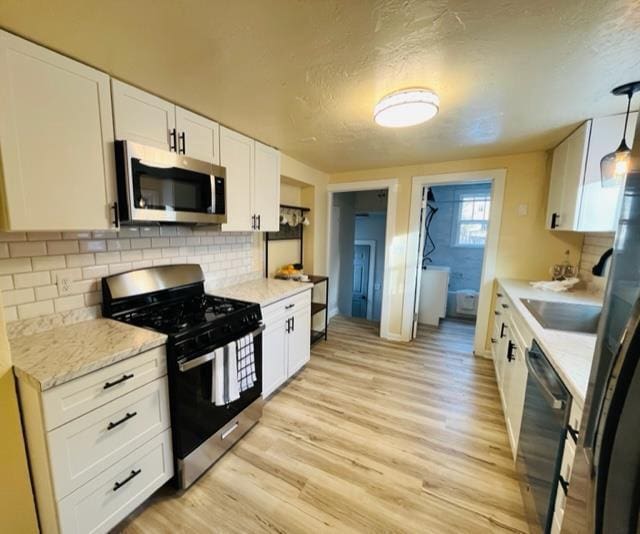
[115, 268]
[46, 292]
[13, 297]
[29, 276]
[24, 249]
[41, 278]
[93, 245]
[80, 260]
[104, 258]
[76, 235]
[46, 263]
[62, 247]
[68, 303]
[96, 271]
[118, 244]
[43, 236]
[72, 274]
[10, 313]
[131, 255]
[13, 236]
[17, 265]
[6, 282]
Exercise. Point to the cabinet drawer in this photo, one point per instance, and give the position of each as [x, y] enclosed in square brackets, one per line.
[77, 397]
[289, 305]
[84, 447]
[106, 500]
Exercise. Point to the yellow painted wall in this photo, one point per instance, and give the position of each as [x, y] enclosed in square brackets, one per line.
[525, 248]
[17, 508]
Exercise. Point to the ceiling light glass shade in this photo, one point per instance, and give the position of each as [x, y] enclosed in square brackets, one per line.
[407, 107]
[614, 166]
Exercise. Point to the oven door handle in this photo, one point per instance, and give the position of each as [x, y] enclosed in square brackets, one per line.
[201, 360]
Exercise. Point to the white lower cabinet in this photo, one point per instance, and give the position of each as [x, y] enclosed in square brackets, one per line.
[103, 502]
[286, 341]
[509, 352]
[92, 467]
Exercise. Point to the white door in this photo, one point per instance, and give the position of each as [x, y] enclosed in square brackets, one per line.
[266, 190]
[198, 137]
[142, 117]
[237, 154]
[600, 206]
[56, 140]
[299, 349]
[274, 356]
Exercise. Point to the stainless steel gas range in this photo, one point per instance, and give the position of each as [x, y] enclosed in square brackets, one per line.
[214, 353]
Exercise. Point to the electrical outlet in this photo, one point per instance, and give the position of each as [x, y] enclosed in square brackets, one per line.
[64, 285]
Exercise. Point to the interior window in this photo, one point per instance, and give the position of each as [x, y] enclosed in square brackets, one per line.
[473, 219]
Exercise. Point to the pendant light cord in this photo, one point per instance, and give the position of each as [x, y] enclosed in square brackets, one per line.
[626, 117]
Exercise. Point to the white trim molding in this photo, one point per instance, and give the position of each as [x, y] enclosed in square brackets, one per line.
[371, 243]
[497, 177]
[391, 185]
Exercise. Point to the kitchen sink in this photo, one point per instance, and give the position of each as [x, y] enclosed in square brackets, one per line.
[564, 315]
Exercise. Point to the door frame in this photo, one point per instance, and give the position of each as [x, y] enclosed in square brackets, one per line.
[391, 257]
[497, 177]
[371, 243]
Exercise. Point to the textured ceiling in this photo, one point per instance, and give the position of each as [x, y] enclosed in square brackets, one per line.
[304, 75]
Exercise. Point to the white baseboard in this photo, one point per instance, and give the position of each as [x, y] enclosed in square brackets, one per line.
[333, 312]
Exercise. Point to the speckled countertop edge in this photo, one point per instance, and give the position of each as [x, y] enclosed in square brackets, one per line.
[50, 358]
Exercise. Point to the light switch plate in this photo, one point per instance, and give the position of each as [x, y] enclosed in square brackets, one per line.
[523, 209]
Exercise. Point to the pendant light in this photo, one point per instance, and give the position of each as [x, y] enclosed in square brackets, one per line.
[614, 166]
[406, 107]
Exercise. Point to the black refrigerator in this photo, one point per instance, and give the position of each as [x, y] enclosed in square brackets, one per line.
[604, 494]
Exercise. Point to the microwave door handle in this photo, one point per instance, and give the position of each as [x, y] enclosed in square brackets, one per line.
[556, 403]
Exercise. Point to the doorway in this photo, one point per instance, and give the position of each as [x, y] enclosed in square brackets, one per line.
[358, 255]
[464, 232]
[454, 234]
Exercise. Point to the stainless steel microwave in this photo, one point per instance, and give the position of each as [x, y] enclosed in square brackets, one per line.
[156, 185]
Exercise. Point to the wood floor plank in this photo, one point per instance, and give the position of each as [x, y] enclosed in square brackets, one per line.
[372, 436]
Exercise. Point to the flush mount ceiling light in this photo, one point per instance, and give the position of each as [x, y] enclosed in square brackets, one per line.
[406, 107]
[614, 166]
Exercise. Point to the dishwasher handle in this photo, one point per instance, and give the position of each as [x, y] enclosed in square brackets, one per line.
[554, 402]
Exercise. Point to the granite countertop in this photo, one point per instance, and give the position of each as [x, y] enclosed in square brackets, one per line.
[570, 353]
[56, 356]
[264, 291]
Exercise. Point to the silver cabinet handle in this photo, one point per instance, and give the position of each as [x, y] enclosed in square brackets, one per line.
[230, 430]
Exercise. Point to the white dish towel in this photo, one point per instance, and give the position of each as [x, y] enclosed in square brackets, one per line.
[217, 380]
[231, 376]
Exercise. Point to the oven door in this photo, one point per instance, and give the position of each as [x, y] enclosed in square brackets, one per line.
[156, 185]
[196, 420]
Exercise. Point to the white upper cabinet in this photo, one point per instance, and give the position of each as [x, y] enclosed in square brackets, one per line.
[56, 139]
[142, 117]
[198, 137]
[567, 171]
[253, 183]
[266, 192]
[237, 154]
[600, 206]
[577, 201]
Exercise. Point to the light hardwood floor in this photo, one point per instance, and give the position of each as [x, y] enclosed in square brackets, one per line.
[372, 436]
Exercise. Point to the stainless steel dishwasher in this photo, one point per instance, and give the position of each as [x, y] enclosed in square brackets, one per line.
[541, 444]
